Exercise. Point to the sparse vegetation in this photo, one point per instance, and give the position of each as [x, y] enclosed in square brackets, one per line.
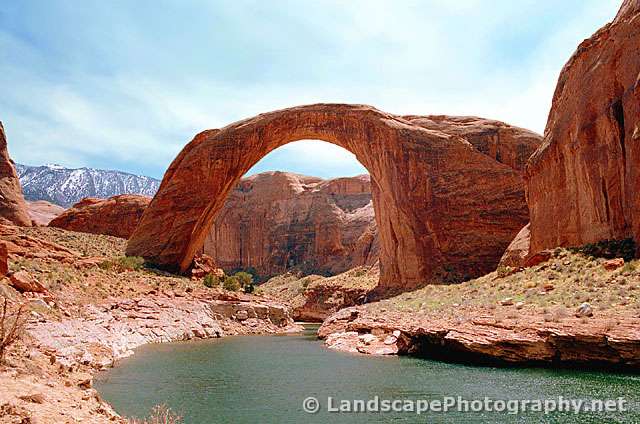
[11, 326]
[211, 281]
[231, 283]
[123, 263]
[160, 414]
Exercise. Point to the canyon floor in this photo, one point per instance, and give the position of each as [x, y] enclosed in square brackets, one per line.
[96, 306]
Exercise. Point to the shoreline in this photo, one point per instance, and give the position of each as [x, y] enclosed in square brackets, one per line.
[71, 352]
[485, 342]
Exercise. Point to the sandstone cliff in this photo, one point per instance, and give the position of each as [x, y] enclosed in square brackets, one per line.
[583, 184]
[12, 205]
[117, 216]
[275, 221]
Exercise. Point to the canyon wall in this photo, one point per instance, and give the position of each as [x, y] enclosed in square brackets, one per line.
[583, 183]
[276, 221]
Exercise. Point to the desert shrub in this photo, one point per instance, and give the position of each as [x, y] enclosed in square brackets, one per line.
[11, 326]
[160, 414]
[630, 266]
[504, 271]
[211, 280]
[249, 288]
[123, 263]
[610, 249]
[245, 278]
[231, 283]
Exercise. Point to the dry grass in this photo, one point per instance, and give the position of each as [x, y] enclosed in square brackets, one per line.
[11, 326]
[560, 285]
[160, 414]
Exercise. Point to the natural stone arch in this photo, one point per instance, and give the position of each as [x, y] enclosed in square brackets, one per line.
[444, 209]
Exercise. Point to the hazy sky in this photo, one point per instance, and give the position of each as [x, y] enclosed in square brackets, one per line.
[126, 84]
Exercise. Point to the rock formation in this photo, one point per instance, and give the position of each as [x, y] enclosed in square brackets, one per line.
[117, 216]
[42, 212]
[583, 183]
[275, 221]
[12, 205]
[445, 209]
[518, 251]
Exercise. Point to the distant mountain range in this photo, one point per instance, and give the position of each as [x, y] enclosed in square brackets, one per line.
[65, 186]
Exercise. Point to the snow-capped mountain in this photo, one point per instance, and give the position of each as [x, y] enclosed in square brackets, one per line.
[64, 186]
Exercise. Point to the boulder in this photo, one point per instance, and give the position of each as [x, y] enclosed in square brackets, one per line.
[584, 310]
[583, 183]
[25, 282]
[12, 205]
[446, 206]
[516, 254]
[117, 216]
[613, 264]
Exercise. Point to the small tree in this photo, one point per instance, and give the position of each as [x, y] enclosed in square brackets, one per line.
[11, 326]
[231, 283]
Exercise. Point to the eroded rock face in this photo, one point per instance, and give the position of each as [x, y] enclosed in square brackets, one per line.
[445, 209]
[276, 221]
[12, 205]
[117, 216]
[583, 184]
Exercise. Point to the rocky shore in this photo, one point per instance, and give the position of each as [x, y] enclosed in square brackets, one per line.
[67, 353]
[86, 307]
[603, 341]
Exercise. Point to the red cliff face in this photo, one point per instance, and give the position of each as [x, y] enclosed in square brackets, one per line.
[583, 184]
[12, 205]
[117, 216]
[277, 221]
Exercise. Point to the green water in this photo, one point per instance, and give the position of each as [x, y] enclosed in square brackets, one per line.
[264, 379]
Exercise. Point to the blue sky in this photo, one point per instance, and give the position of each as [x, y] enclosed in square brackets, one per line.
[125, 84]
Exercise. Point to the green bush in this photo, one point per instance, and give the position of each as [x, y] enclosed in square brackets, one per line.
[123, 263]
[231, 283]
[249, 288]
[245, 278]
[211, 280]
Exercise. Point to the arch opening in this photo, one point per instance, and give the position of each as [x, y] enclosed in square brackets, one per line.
[445, 206]
[305, 207]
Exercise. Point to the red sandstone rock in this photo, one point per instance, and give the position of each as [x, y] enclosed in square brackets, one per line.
[516, 254]
[117, 216]
[23, 246]
[613, 264]
[42, 212]
[445, 209]
[583, 184]
[12, 205]
[24, 282]
[530, 340]
[275, 221]
[203, 265]
[4, 260]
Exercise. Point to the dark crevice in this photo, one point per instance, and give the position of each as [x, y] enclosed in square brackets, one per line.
[618, 114]
[606, 198]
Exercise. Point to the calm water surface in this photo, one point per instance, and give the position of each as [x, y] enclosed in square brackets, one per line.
[264, 379]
